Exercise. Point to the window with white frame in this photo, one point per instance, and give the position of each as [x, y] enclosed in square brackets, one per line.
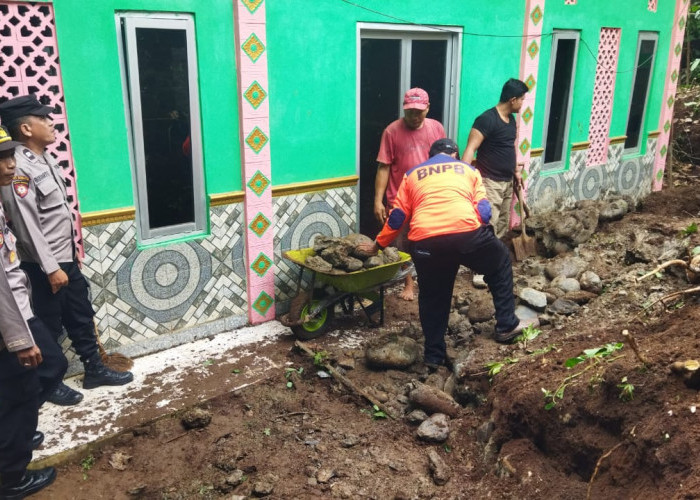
[644, 66]
[562, 72]
[162, 107]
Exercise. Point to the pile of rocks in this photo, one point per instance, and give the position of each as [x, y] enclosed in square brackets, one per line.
[341, 255]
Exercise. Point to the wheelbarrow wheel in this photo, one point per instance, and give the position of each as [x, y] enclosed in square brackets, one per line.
[315, 327]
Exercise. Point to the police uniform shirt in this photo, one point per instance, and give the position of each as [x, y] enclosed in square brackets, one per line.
[15, 309]
[39, 212]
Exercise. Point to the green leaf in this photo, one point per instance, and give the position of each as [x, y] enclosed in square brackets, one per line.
[290, 384]
[571, 362]
[236, 370]
[550, 405]
[208, 362]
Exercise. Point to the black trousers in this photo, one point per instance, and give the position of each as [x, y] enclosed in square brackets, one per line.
[70, 307]
[22, 391]
[437, 261]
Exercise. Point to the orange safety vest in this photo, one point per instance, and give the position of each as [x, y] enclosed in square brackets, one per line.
[440, 196]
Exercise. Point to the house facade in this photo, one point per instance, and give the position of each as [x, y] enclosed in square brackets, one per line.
[200, 140]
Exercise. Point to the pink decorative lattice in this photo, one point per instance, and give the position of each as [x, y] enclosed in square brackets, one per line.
[603, 96]
[570, 2]
[29, 65]
[651, 5]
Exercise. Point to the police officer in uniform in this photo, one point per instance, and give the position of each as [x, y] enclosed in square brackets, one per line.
[25, 344]
[41, 218]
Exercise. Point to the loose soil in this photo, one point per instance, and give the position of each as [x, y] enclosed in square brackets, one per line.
[317, 439]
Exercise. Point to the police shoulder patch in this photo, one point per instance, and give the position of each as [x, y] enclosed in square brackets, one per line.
[20, 183]
[28, 154]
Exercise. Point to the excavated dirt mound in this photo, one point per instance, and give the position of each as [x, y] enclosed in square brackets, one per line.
[317, 439]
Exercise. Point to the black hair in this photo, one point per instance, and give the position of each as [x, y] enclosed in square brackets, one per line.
[14, 127]
[513, 88]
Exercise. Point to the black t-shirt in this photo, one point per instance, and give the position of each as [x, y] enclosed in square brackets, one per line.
[496, 156]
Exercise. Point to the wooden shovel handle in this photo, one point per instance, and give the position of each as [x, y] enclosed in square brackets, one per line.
[523, 211]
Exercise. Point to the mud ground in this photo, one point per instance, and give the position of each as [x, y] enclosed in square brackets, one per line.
[297, 435]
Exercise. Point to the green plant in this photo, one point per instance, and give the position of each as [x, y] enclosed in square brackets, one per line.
[267, 431]
[495, 367]
[236, 370]
[87, 463]
[208, 362]
[690, 229]
[377, 412]
[319, 358]
[626, 390]
[544, 350]
[447, 448]
[593, 358]
[291, 372]
[529, 333]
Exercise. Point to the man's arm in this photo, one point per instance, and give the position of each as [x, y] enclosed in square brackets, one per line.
[380, 183]
[473, 142]
[14, 330]
[24, 214]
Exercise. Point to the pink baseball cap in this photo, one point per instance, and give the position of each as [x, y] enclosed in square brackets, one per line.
[416, 99]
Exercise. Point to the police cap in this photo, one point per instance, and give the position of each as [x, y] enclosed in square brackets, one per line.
[25, 105]
[6, 142]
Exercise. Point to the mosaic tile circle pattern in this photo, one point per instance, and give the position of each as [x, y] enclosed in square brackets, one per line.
[628, 176]
[588, 185]
[137, 279]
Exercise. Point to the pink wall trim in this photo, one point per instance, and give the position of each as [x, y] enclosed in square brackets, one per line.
[251, 51]
[674, 62]
[46, 82]
[603, 96]
[529, 69]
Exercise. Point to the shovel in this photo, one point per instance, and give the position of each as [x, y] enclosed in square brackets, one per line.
[523, 245]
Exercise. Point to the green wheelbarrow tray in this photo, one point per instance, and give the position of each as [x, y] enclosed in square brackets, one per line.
[310, 314]
[355, 281]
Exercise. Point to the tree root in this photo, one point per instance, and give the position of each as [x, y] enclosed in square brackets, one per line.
[675, 262]
[344, 380]
[597, 466]
[633, 344]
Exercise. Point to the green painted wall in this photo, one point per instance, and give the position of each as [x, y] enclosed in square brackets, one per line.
[87, 41]
[588, 17]
[312, 54]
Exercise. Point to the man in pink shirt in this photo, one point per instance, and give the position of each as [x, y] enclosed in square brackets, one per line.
[405, 143]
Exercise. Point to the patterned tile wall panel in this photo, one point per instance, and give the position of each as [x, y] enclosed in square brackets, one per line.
[299, 218]
[674, 61]
[618, 176]
[529, 67]
[29, 64]
[651, 5]
[140, 294]
[603, 95]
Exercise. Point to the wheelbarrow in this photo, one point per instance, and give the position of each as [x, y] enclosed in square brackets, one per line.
[312, 309]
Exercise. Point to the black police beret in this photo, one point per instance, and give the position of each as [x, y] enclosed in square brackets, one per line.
[25, 105]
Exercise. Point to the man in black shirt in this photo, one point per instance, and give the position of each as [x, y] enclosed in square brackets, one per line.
[493, 137]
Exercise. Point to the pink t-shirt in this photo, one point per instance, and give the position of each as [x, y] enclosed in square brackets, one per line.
[402, 148]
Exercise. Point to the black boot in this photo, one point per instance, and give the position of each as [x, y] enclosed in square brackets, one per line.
[65, 396]
[97, 374]
[27, 484]
[37, 439]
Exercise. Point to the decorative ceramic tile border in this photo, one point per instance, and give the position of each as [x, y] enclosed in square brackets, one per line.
[674, 61]
[617, 176]
[140, 294]
[529, 68]
[30, 66]
[299, 218]
[603, 95]
[250, 27]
